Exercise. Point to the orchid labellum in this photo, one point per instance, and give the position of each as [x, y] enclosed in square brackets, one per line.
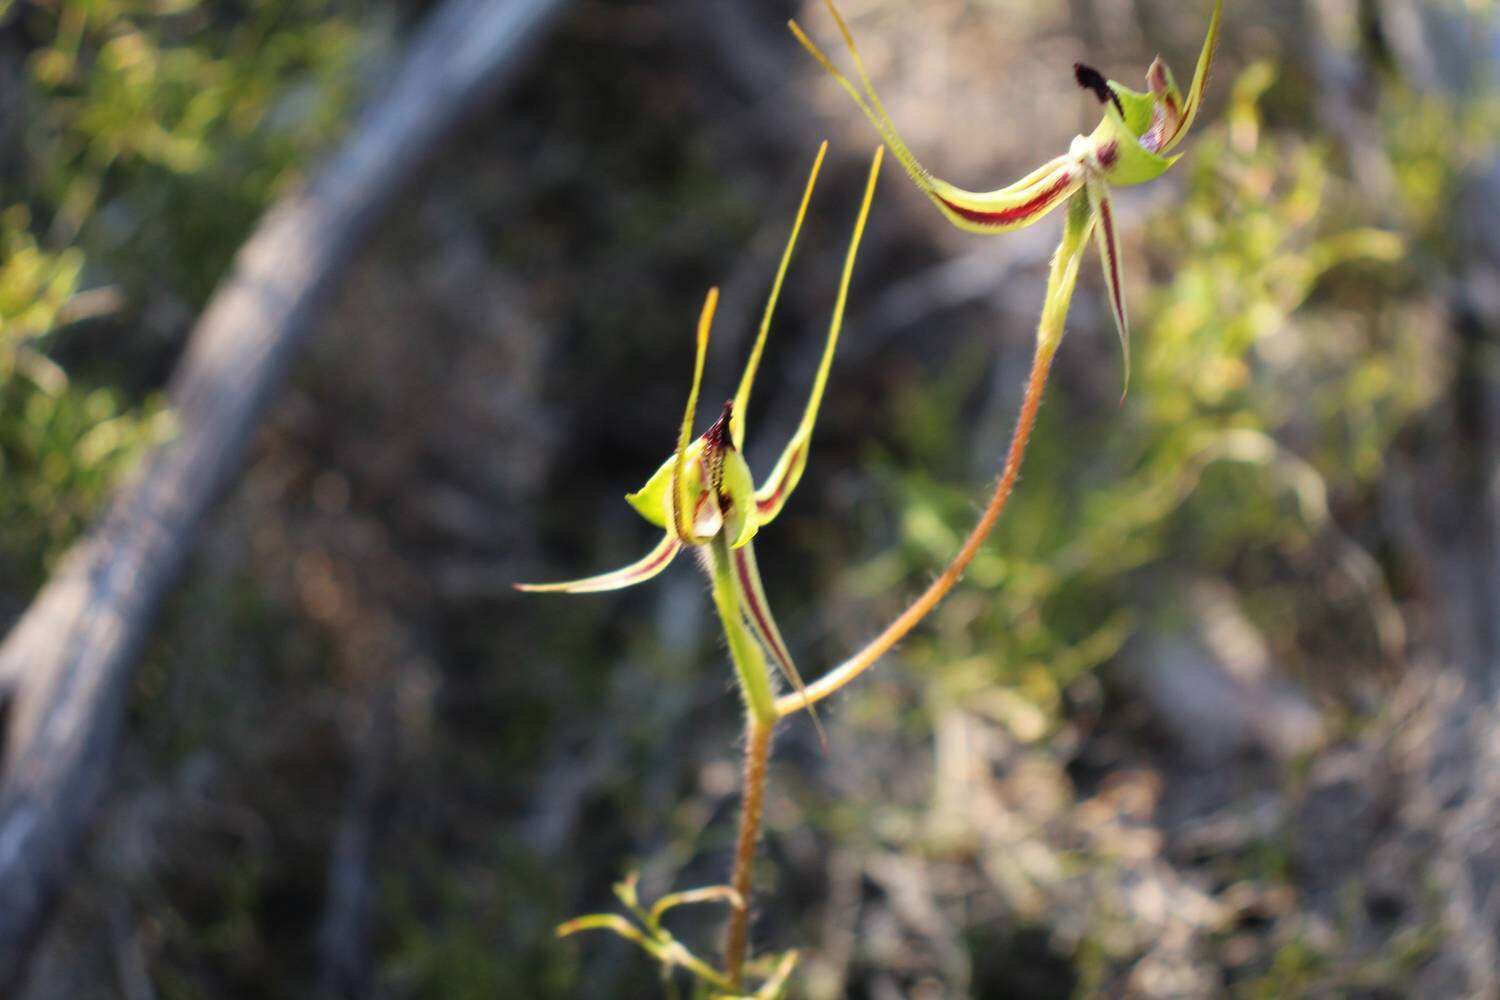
[704, 496]
[1132, 145]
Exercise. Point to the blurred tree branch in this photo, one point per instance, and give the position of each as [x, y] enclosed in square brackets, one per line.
[65, 668]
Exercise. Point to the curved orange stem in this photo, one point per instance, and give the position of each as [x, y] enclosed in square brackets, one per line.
[861, 661]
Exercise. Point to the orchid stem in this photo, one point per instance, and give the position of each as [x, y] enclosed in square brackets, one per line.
[861, 661]
[737, 935]
[760, 719]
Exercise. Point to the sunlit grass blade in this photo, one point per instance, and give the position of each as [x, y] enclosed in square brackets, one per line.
[644, 569]
[757, 612]
[1200, 79]
[1107, 235]
[742, 396]
[772, 496]
[1013, 207]
[682, 517]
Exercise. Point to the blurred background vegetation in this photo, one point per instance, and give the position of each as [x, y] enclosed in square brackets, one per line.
[1164, 742]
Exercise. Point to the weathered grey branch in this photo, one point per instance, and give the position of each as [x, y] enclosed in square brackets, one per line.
[66, 666]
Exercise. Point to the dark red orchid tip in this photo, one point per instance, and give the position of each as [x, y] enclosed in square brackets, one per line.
[1091, 79]
[717, 442]
[717, 436]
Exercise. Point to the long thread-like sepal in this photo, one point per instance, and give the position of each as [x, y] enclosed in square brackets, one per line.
[772, 496]
[747, 380]
[681, 512]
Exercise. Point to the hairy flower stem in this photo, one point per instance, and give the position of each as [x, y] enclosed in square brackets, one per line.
[760, 719]
[857, 664]
[737, 935]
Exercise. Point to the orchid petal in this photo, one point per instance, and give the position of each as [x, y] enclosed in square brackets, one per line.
[742, 396]
[772, 497]
[1118, 149]
[757, 612]
[1108, 237]
[1167, 114]
[681, 515]
[1063, 277]
[650, 501]
[1014, 207]
[1138, 109]
[640, 571]
[1200, 80]
[741, 521]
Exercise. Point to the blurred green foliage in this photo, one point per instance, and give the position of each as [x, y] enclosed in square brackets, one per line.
[153, 133]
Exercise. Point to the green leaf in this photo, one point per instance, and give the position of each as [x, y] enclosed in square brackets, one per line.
[692, 897]
[612, 922]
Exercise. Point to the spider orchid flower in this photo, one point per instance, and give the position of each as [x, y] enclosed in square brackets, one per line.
[704, 496]
[1132, 145]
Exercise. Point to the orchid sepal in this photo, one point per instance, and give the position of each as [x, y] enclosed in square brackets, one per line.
[682, 507]
[643, 569]
[756, 610]
[1106, 232]
[752, 364]
[1201, 72]
[771, 497]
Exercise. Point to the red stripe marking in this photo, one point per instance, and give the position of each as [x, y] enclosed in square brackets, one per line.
[770, 502]
[1107, 219]
[742, 566]
[1016, 214]
[667, 553]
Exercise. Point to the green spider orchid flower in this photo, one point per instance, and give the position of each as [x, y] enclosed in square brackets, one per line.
[1132, 145]
[704, 496]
